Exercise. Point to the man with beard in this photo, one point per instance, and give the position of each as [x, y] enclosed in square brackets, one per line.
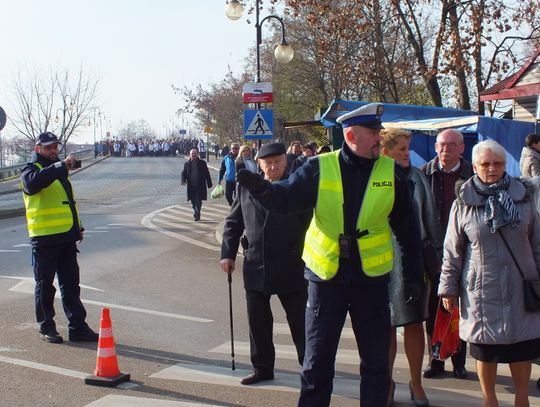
[54, 228]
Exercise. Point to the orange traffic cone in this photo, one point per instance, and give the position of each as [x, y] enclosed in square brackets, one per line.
[107, 372]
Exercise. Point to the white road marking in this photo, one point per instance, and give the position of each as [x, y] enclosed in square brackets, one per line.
[113, 400]
[225, 376]
[147, 222]
[345, 356]
[346, 333]
[187, 212]
[22, 245]
[26, 286]
[124, 224]
[95, 231]
[40, 366]
[146, 311]
[9, 251]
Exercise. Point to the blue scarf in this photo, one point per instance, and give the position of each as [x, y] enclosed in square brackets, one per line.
[500, 210]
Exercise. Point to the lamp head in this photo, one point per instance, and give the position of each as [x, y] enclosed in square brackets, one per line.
[284, 53]
[233, 9]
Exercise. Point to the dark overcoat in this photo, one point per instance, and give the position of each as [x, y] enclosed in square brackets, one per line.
[273, 260]
[204, 179]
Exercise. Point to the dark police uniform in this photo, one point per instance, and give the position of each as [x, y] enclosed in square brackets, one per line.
[56, 254]
[364, 297]
[272, 265]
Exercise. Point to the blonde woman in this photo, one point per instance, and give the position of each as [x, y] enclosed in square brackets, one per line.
[395, 144]
[244, 160]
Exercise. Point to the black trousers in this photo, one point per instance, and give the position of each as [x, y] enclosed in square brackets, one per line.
[261, 324]
[196, 204]
[328, 305]
[458, 358]
[230, 191]
[62, 261]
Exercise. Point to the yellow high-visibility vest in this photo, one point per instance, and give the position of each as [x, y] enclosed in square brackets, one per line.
[321, 246]
[47, 212]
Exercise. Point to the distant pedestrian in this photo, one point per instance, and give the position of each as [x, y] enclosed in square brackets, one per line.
[529, 162]
[228, 170]
[55, 228]
[197, 177]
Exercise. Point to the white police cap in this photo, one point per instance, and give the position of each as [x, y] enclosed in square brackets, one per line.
[367, 116]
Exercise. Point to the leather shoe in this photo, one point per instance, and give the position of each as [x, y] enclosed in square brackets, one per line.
[83, 335]
[257, 376]
[51, 337]
[433, 370]
[460, 372]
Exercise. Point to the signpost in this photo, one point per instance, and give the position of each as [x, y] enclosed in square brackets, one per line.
[257, 92]
[3, 120]
[258, 124]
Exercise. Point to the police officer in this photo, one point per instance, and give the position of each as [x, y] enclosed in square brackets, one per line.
[272, 265]
[359, 197]
[54, 228]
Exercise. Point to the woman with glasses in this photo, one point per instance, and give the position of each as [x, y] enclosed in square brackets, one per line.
[493, 234]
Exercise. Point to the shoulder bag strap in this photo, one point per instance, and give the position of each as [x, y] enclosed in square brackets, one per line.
[511, 253]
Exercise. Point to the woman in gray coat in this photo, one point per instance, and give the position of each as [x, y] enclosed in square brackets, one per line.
[478, 268]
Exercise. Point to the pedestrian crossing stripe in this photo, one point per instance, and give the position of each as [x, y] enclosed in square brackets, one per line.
[258, 124]
[115, 400]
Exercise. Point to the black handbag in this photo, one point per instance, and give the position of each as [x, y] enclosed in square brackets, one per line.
[531, 288]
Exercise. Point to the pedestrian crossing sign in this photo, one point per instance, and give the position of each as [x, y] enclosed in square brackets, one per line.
[258, 124]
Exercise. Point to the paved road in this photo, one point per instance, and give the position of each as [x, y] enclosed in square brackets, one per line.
[156, 269]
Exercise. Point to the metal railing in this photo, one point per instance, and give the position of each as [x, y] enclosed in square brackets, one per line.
[14, 170]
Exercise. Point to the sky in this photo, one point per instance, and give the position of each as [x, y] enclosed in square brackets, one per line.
[137, 48]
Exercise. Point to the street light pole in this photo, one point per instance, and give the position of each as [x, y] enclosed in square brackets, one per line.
[283, 53]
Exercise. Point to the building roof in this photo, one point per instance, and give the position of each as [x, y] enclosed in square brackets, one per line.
[505, 89]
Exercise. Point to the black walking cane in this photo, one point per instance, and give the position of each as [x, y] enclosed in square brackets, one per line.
[229, 279]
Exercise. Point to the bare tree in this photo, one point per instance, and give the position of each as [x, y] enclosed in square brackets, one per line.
[60, 102]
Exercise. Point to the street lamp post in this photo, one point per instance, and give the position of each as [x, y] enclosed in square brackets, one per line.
[95, 147]
[283, 53]
[64, 109]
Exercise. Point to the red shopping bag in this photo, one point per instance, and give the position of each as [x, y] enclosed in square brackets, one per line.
[445, 340]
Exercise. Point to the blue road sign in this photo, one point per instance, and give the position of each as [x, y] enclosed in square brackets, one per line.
[258, 124]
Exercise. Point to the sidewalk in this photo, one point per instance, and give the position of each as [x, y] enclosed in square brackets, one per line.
[11, 203]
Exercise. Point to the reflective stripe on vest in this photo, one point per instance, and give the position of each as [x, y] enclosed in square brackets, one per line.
[321, 246]
[46, 212]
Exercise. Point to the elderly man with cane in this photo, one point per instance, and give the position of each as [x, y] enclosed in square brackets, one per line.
[272, 246]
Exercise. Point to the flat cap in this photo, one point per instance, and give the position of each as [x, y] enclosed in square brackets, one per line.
[271, 149]
[46, 139]
[366, 116]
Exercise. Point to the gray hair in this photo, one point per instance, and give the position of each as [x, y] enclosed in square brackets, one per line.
[450, 131]
[488, 145]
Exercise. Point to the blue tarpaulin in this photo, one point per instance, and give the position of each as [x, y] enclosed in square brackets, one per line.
[392, 112]
[426, 121]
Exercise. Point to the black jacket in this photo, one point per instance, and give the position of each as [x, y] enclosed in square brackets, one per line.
[273, 258]
[204, 179]
[299, 193]
[34, 180]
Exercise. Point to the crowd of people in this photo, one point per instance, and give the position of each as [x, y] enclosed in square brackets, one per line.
[146, 147]
[407, 242]
[355, 231]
